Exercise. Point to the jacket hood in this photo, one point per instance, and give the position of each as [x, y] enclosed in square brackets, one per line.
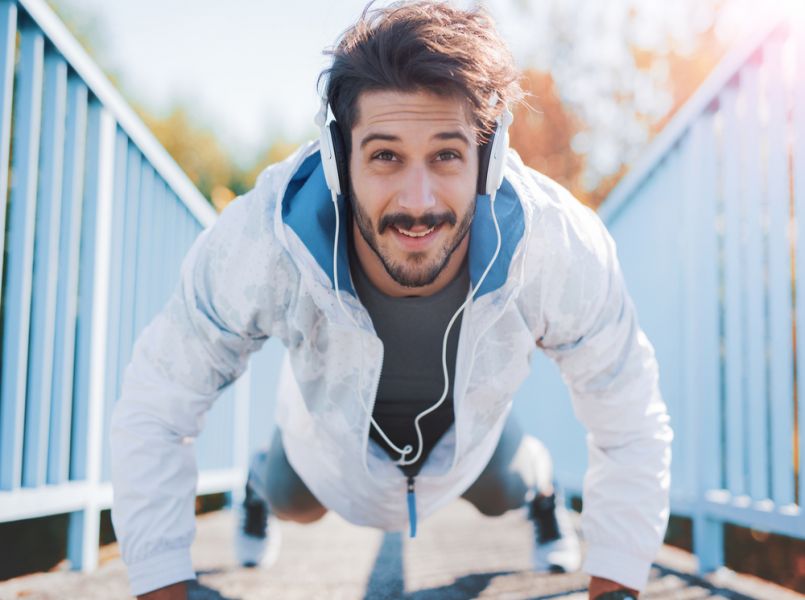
[307, 208]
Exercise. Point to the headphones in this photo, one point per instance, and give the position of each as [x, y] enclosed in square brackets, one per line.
[491, 155]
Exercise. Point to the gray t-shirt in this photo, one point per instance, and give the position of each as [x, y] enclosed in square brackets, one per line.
[412, 331]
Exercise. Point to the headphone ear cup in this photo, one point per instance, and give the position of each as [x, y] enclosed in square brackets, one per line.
[341, 158]
[484, 155]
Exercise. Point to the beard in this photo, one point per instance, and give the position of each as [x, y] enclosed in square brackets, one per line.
[416, 269]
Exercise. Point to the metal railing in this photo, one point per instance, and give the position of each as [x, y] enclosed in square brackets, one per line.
[99, 219]
[707, 227]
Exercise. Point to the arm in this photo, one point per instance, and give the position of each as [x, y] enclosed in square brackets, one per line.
[220, 312]
[588, 325]
[177, 591]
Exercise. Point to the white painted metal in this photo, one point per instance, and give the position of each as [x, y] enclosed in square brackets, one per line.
[90, 519]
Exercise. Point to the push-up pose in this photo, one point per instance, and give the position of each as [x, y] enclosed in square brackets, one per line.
[411, 264]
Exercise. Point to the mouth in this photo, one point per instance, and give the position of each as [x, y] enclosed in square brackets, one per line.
[417, 239]
[415, 234]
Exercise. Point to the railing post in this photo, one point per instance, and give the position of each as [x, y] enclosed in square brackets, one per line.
[20, 246]
[708, 540]
[8, 36]
[701, 335]
[83, 540]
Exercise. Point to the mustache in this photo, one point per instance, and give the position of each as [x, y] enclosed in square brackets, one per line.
[406, 221]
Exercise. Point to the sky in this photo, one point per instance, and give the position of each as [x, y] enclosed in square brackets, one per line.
[247, 67]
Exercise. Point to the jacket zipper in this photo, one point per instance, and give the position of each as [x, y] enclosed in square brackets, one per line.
[411, 507]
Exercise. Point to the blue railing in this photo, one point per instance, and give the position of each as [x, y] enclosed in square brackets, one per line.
[99, 219]
[707, 227]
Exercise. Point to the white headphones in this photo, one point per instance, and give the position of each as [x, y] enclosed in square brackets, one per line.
[492, 157]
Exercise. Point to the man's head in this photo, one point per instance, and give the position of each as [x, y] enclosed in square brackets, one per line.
[410, 86]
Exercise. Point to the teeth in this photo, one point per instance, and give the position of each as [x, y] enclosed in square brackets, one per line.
[415, 234]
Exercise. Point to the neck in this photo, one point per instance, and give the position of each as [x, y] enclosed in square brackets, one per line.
[379, 277]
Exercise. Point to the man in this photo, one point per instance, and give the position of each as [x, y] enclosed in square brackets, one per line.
[410, 287]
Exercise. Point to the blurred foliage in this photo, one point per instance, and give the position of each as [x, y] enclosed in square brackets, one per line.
[197, 151]
[565, 138]
[209, 166]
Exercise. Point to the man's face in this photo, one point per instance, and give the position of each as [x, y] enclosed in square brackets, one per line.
[413, 174]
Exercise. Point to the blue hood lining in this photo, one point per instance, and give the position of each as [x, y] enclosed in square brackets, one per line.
[307, 208]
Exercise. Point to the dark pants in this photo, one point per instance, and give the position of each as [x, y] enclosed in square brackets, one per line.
[519, 467]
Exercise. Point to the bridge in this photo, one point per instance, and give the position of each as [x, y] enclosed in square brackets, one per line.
[99, 218]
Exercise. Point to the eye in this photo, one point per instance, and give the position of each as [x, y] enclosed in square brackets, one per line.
[447, 155]
[384, 155]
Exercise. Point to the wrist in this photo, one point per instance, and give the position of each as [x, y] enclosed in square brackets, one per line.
[607, 589]
[176, 591]
[617, 595]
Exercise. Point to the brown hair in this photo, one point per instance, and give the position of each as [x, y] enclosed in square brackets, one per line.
[423, 45]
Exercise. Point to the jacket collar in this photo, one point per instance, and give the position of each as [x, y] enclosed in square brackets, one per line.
[307, 209]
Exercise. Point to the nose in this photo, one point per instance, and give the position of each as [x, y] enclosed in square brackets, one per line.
[417, 192]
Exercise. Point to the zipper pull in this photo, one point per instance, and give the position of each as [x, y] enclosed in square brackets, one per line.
[411, 506]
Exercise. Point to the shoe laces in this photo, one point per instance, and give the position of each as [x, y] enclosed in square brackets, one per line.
[543, 514]
[256, 515]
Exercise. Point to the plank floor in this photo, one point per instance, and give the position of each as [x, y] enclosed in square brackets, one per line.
[457, 554]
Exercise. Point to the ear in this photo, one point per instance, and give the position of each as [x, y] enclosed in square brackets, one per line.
[341, 157]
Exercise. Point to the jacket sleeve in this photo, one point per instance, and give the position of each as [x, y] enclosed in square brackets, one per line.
[196, 346]
[589, 327]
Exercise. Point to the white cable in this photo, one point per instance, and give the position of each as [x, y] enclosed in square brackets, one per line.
[402, 451]
[408, 448]
[402, 461]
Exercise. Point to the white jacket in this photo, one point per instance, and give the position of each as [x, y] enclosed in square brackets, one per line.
[265, 269]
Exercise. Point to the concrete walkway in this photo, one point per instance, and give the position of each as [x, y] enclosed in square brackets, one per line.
[457, 554]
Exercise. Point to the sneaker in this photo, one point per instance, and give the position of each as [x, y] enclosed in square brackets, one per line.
[257, 532]
[556, 545]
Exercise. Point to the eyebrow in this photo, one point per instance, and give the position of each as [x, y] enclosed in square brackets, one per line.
[445, 135]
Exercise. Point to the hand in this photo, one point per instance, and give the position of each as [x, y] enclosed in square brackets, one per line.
[599, 585]
[175, 591]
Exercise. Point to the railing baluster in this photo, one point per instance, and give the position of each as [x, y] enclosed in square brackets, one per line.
[115, 283]
[799, 236]
[701, 324]
[64, 345]
[20, 243]
[733, 314]
[145, 243]
[130, 259]
[8, 36]
[86, 286]
[45, 276]
[82, 547]
[753, 289]
[161, 289]
[781, 344]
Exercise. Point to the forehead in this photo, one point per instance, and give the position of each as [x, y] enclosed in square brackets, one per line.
[381, 109]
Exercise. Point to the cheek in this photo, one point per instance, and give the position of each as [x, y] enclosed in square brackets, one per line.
[368, 197]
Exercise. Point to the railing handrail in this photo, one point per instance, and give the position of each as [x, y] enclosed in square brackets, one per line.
[707, 93]
[113, 101]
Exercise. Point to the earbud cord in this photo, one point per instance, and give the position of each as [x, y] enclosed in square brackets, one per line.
[408, 448]
[403, 461]
[402, 451]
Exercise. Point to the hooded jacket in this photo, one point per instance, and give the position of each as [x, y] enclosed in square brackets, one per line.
[265, 268]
